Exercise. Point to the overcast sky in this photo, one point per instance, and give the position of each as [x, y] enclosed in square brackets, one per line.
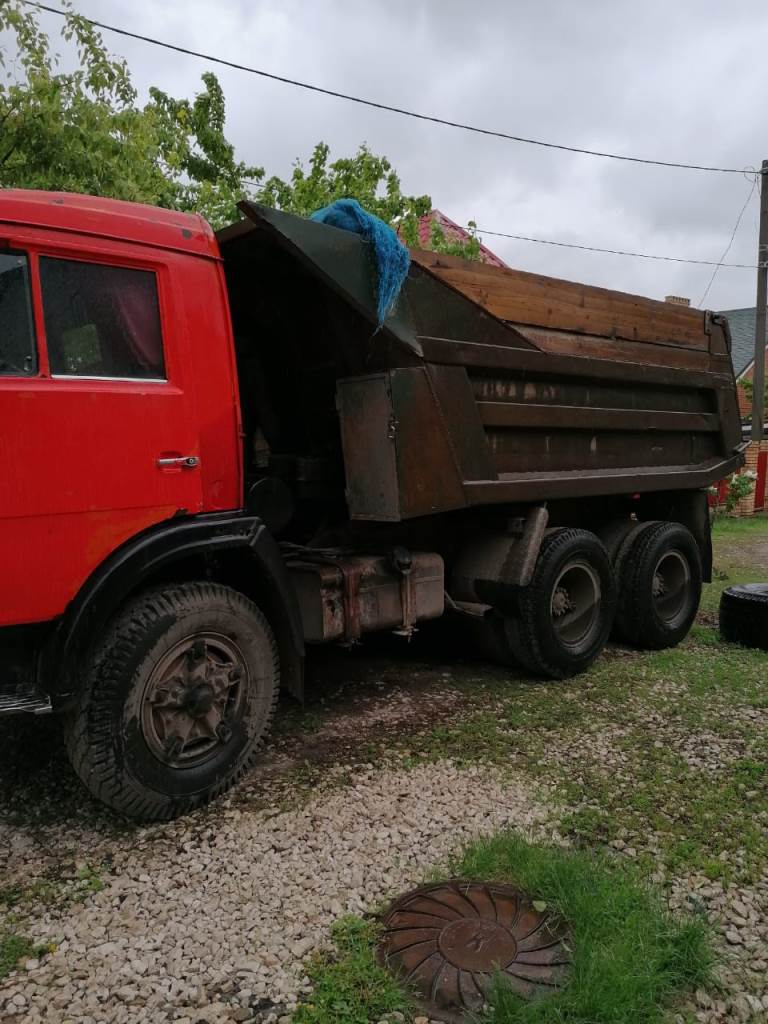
[685, 80]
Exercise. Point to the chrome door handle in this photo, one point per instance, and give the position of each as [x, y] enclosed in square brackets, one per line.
[179, 462]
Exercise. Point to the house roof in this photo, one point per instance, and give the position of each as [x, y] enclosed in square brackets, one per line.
[455, 231]
[742, 324]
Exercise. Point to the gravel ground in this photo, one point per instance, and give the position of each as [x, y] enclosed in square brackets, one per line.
[211, 918]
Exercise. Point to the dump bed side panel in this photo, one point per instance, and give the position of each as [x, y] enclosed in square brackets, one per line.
[552, 305]
[495, 386]
[534, 427]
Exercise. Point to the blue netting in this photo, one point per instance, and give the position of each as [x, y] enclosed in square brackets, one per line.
[391, 256]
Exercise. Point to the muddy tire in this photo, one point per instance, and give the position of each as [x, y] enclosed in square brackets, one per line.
[744, 615]
[176, 701]
[563, 618]
[659, 578]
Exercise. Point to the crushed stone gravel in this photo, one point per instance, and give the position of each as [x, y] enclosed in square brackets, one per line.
[211, 918]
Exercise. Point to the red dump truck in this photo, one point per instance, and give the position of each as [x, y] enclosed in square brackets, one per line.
[211, 457]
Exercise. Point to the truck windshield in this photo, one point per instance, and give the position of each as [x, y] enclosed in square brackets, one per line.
[18, 356]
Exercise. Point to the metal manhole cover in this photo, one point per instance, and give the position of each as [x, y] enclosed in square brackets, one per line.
[449, 940]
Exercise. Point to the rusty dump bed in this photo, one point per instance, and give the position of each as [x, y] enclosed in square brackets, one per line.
[493, 386]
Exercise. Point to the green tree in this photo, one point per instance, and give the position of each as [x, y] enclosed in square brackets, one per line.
[375, 184]
[83, 131]
[749, 390]
[366, 177]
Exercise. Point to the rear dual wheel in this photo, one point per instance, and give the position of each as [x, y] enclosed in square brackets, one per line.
[658, 571]
[562, 619]
[643, 583]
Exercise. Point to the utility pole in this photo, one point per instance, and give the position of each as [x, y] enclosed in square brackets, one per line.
[758, 374]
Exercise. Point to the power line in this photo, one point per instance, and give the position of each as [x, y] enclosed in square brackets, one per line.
[382, 106]
[617, 252]
[730, 241]
[465, 127]
[612, 252]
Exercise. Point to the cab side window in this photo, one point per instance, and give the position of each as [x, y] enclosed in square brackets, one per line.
[101, 321]
[18, 355]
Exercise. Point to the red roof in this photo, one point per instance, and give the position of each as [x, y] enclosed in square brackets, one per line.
[108, 218]
[454, 231]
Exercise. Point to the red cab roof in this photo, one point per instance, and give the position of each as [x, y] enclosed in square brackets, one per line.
[108, 218]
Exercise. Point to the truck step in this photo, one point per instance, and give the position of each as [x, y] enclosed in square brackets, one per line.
[16, 703]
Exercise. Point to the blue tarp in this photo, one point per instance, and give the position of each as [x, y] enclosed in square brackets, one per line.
[390, 255]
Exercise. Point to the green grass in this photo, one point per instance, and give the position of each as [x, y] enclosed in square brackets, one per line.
[51, 890]
[611, 744]
[15, 947]
[631, 959]
[712, 825]
[350, 987]
[728, 527]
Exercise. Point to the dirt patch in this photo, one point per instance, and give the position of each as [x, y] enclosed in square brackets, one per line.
[747, 548]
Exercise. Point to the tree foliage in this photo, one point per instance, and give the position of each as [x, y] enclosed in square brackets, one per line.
[366, 177]
[84, 131]
[371, 180]
[749, 390]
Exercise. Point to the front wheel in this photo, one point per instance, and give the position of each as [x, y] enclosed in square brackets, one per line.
[176, 701]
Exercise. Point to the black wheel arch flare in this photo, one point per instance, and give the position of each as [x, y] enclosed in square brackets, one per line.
[205, 540]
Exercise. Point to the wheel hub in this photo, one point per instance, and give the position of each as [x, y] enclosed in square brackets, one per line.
[671, 587]
[561, 602]
[575, 602]
[192, 698]
[199, 701]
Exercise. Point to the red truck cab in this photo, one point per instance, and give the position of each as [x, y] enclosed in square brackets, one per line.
[121, 451]
[119, 384]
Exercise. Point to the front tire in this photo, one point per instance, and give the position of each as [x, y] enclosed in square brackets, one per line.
[176, 701]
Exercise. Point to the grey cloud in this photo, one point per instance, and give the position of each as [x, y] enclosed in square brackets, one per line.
[683, 81]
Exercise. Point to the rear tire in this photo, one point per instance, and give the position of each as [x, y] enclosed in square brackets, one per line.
[564, 616]
[176, 701]
[659, 578]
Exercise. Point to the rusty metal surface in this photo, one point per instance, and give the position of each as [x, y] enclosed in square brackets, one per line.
[340, 259]
[450, 941]
[193, 699]
[368, 429]
[398, 451]
[342, 596]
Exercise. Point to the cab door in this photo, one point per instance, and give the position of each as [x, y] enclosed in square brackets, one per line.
[98, 434]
